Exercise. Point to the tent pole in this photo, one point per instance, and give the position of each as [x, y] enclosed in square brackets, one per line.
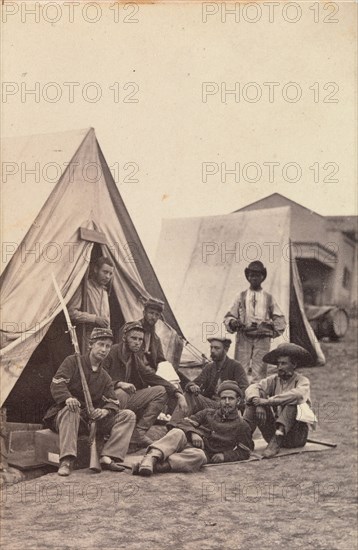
[3, 439]
[84, 308]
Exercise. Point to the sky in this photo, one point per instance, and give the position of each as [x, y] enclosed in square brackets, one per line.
[198, 111]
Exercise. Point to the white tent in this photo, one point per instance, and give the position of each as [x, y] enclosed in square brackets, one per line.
[201, 263]
[58, 192]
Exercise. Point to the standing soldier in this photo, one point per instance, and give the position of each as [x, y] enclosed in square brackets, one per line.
[89, 306]
[256, 318]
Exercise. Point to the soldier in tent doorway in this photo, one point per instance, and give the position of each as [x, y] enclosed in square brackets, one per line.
[92, 309]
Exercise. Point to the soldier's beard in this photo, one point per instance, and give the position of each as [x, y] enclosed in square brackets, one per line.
[286, 375]
[217, 358]
[226, 411]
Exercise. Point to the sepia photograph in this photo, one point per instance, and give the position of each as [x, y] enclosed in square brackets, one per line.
[179, 229]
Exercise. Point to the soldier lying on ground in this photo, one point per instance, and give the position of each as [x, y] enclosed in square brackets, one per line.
[211, 435]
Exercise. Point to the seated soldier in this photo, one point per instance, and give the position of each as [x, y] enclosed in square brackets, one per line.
[271, 403]
[201, 393]
[69, 414]
[211, 435]
[151, 351]
[137, 387]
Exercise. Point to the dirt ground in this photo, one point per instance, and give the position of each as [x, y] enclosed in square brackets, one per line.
[298, 502]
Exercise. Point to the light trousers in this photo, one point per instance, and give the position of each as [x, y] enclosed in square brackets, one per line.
[249, 351]
[118, 426]
[147, 404]
[174, 448]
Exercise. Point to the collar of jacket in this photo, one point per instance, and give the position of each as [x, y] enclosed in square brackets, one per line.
[294, 378]
[97, 285]
[231, 416]
[147, 328]
[86, 362]
[125, 355]
[222, 364]
[123, 352]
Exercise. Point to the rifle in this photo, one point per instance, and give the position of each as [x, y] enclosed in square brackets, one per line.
[252, 454]
[94, 462]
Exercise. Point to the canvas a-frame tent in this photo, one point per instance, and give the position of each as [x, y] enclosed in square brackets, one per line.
[58, 192]
[201, 264]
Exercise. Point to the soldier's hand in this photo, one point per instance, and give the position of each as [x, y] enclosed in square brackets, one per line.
[234, 325]
[127, 387]
[261, 414]
[101, 322]
[218, 457]
[73, 404]
[197, 441]
[260, 401]
[98, 414]
[182, 404]
[195, 389]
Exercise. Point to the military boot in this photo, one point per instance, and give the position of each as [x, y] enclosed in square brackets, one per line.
[273, 448]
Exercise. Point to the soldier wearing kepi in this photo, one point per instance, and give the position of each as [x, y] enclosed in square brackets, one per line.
[211, 435]
[68, 416]
[271, 403]
[151, 350]
[201, 393]
[256, 318]
[152, 346]
[136, 385]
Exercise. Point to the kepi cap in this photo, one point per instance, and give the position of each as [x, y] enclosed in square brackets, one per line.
[225, 341]
[154, 304]
[132, 325]
[229, 385]
[99, 332]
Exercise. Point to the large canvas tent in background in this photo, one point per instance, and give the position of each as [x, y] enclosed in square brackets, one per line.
[48, 217]
[201, 263]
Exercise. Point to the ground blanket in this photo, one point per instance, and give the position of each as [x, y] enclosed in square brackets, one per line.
[260, 445]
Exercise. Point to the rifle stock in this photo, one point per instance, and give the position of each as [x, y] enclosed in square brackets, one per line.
[95, 465]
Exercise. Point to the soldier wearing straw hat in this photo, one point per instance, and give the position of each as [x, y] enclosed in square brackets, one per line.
[272, 403]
